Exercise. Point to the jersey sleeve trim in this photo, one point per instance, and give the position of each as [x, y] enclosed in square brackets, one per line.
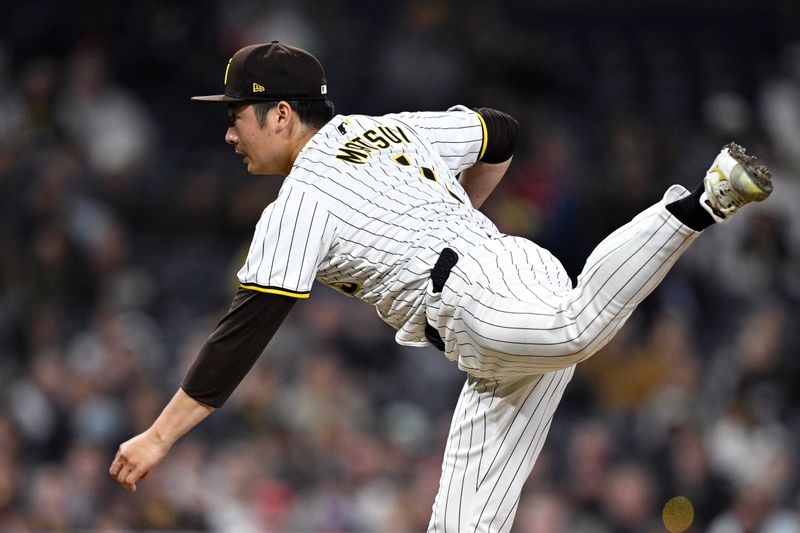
[275, 290]
[485, 136]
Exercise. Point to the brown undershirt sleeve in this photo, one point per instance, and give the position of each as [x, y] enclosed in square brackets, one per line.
[235, 345]
[502, 131]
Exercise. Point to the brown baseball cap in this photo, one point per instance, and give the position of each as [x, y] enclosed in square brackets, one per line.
[271, 72]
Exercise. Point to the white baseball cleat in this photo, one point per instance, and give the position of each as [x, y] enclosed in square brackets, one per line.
[733, 181]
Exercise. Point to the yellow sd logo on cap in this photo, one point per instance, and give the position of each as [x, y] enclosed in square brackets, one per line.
[226, 71]
[258, 88]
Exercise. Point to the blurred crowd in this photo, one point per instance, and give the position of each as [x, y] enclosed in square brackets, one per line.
[125, 217]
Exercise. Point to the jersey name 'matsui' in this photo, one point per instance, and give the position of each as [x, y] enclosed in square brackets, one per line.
[357, 150]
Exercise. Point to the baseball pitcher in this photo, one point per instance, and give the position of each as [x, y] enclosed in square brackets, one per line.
[385, 209]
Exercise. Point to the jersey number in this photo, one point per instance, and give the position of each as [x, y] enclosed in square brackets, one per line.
[427, 173]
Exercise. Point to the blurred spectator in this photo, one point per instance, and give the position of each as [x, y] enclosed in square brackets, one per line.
[419, 64]
[629, 499]
[588, 461]
[779, 101]
[753, 510]
[39, 81]
[11, 105]
[543, 512]
[278, 20]
[689, 474]
[108, 122]
[728, 116]
[630, 372]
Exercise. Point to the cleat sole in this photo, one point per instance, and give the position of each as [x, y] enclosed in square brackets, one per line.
[760, 178]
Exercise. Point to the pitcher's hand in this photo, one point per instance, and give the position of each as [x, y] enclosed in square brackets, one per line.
[136, 457]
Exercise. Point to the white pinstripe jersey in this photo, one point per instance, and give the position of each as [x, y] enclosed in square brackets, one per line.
[367, 207]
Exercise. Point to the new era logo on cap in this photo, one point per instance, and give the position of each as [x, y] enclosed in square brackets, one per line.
[271, 72]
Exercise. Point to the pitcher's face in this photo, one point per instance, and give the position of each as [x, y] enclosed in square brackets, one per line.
[258, 145]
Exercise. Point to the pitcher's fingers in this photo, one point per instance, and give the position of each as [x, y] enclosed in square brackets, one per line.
[122, 474]
[131, 479]
[131, 487]
[120, 460]
[116, 466]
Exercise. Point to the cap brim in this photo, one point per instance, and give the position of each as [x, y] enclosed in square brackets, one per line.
[217, 98]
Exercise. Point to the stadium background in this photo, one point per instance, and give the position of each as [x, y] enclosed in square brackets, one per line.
[125, 216]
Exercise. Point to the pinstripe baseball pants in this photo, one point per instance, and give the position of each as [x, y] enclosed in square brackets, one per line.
[509, 316]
